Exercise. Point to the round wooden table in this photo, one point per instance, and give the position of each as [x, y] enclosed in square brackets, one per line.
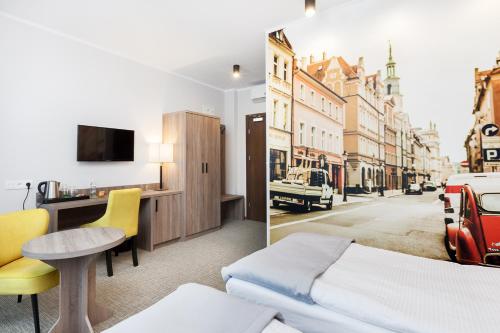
[73, 253]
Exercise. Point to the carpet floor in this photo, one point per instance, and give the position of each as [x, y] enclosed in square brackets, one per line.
[133, 289]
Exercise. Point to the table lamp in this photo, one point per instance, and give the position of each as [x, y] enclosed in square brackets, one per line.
[161, 153]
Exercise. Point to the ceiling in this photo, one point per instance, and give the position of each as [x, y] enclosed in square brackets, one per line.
[194, 38]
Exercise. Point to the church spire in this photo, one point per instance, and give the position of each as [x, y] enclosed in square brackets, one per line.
[391, 64]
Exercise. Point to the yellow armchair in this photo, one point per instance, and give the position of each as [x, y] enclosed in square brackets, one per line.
[122, 212]
[20, 275]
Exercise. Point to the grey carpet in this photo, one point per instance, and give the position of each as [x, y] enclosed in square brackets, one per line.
[133, 289]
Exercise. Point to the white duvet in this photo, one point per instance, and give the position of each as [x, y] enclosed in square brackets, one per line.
[405, 293]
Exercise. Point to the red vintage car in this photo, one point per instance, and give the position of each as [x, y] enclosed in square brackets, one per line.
[475, 238]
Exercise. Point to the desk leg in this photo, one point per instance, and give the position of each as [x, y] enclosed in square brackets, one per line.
[73, 295]
[97, 313]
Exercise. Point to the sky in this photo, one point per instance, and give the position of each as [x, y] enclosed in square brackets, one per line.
[436, 45]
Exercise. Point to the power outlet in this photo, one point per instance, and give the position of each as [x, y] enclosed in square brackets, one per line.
[17, 184]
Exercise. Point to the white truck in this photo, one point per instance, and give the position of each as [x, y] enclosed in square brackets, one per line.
[303, 187]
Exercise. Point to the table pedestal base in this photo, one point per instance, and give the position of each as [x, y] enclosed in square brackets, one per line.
[97, 313]
[73, 296]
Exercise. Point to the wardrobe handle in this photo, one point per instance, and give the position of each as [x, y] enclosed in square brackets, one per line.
[206, 167]
[202, 167]
[156, 207]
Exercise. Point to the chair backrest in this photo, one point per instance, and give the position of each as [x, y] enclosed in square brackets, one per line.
[123, 210]
[19, 227]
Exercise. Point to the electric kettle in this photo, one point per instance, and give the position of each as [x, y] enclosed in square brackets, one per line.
[49, 189]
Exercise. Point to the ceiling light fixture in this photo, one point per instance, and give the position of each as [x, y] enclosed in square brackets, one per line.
[310, 7]
[236, 71]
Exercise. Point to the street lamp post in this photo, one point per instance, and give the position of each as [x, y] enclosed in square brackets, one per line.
[382, 180]
[345, 155]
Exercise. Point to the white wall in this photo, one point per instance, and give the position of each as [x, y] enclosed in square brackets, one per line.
[238, 104]
[50, 83]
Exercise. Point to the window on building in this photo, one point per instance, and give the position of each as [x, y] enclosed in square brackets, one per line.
[275, 112]
[389, 88]
[275, 65]
[301, 133]
[313, 134]
[302, 92]
[285, 116]
[330, 142]
[323, 138]
[323, 104]
[330, 108]
[285, 71]
[312, 98]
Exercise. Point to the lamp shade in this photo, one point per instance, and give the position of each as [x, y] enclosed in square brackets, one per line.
[161, 152]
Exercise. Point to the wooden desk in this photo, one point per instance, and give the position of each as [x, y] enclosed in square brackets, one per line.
[232, 206]
[160, 215]
[72, 252]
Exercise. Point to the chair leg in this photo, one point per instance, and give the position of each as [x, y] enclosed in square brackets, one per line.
[109, 263]
[133, 240]
[116, 253]
[36, 318]
[19, 298]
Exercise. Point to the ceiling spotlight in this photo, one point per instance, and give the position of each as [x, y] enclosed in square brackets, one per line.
[310, 7]
[236, 71]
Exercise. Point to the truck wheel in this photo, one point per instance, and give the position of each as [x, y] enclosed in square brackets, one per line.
[329, 205]
[307, 206]
[276, 204]
[451, 253]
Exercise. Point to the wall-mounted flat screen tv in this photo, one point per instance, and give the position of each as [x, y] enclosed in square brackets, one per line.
[102, 144]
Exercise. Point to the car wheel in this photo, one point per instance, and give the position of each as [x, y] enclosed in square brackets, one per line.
[307, 206]
[276, 204]
[329, 205]
[451, 253]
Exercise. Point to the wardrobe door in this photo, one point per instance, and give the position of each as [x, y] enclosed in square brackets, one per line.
[194, 173]
[212, 179]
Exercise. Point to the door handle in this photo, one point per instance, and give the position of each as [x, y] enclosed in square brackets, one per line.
[206, 167]
[202, 167]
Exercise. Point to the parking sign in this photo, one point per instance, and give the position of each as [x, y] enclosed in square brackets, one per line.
[491, 150]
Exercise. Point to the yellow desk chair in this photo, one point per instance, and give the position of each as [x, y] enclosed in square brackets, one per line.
[122, 212]
[20, 275]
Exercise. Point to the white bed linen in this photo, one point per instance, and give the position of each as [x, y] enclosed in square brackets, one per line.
[405, 293]
[152, 320]
[305, 317]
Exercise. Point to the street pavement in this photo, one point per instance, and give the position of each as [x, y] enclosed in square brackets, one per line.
[411, 224]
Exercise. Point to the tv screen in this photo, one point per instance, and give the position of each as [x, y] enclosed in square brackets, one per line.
[104, 144]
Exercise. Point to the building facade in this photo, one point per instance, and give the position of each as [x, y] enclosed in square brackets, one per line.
[318, 124]
[364, 138]
[392, 180]
[486, 111]
[279, 103]
[430, 138]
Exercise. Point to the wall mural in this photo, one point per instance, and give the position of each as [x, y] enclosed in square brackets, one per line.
[369, 111]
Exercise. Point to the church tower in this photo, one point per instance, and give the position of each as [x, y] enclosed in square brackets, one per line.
[391, 82]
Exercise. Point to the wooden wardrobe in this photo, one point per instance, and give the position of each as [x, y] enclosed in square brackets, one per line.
[196, 169]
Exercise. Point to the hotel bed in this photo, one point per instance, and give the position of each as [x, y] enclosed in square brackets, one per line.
[194, 308]
[366, 289]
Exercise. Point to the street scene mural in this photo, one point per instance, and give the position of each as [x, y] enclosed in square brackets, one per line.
[373, 110]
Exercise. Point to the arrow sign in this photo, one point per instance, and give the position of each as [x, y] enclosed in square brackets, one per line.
[490, 129]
